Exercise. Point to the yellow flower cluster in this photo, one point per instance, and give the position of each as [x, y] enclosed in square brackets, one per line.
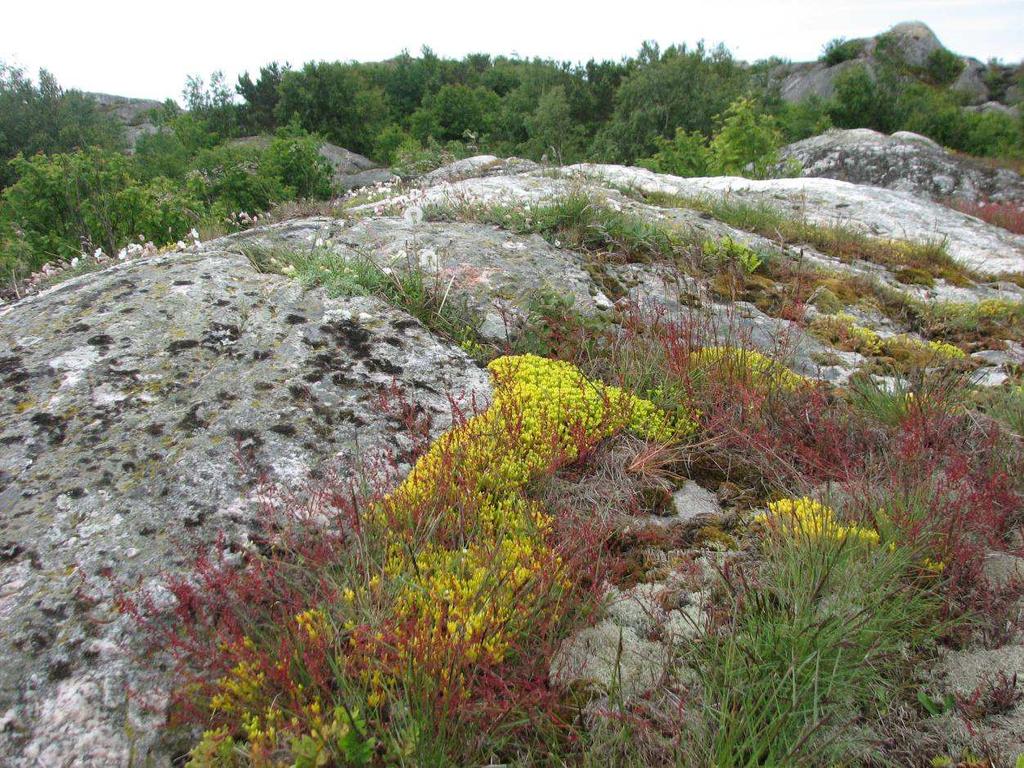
[475, 595]
[759, 368]
[949, 351]
[239, 689]
[810, 518]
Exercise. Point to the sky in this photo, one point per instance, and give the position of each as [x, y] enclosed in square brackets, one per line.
[146, 49]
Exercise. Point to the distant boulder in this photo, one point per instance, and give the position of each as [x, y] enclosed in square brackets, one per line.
[913, 42]
[815, 78]
[133, 114]
[903, 161]
[970, 83]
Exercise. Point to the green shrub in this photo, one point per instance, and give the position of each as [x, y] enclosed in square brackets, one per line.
[859, 101]
[747, 143]
[294, 158]
[728, 252]
[679, 88]
[388, 143]
[803, 119]
[84, 200]
[840, 49]
[44, 118]
[334, 100]
[943, 67]
[685, 155]
[161, 154]
[234, 178]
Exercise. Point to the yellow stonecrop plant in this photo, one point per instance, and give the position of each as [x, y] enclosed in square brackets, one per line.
[469, 592]
[467, 562]
[843, 331]
[760, 368]
[810, 518]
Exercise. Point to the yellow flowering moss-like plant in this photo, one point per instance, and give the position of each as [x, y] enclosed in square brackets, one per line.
[757, 368]
[809, 518]
[465, 568]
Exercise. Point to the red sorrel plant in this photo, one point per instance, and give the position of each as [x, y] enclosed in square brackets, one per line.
[1009, 216]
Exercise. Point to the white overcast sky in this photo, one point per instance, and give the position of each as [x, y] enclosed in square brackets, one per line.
[146, 49]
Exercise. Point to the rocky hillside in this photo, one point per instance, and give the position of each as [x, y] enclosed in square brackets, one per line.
[151, 406]
[911, 45]
[903, 161]
[134, 114]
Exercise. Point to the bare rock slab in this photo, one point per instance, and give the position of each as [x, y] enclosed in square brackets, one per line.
[127, 396]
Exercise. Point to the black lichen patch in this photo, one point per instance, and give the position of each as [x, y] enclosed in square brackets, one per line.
[300, 392]
[193, 421]
[284, 429]
[421, 384]
[54, 427]
[220, 337]
[246, 439]
[9, 551]
[179, 346]
[384, 366]
[341, 380]
[261, 354]
[12, 370]
[78, 328]
[182, 282]
[402, 325]
[349, 335]
[293, 319]
[100, 340]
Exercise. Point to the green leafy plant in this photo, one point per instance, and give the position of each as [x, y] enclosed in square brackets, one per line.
[840, 49]
[727, 251]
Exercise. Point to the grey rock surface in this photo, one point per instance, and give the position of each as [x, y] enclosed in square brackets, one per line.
[132, 113]
[692, 503]
[879, 212]
[970, 83]
[909, 45]
[903, 161]
[912, 42]
[128, 395]
[804, 80]
[610, 657]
